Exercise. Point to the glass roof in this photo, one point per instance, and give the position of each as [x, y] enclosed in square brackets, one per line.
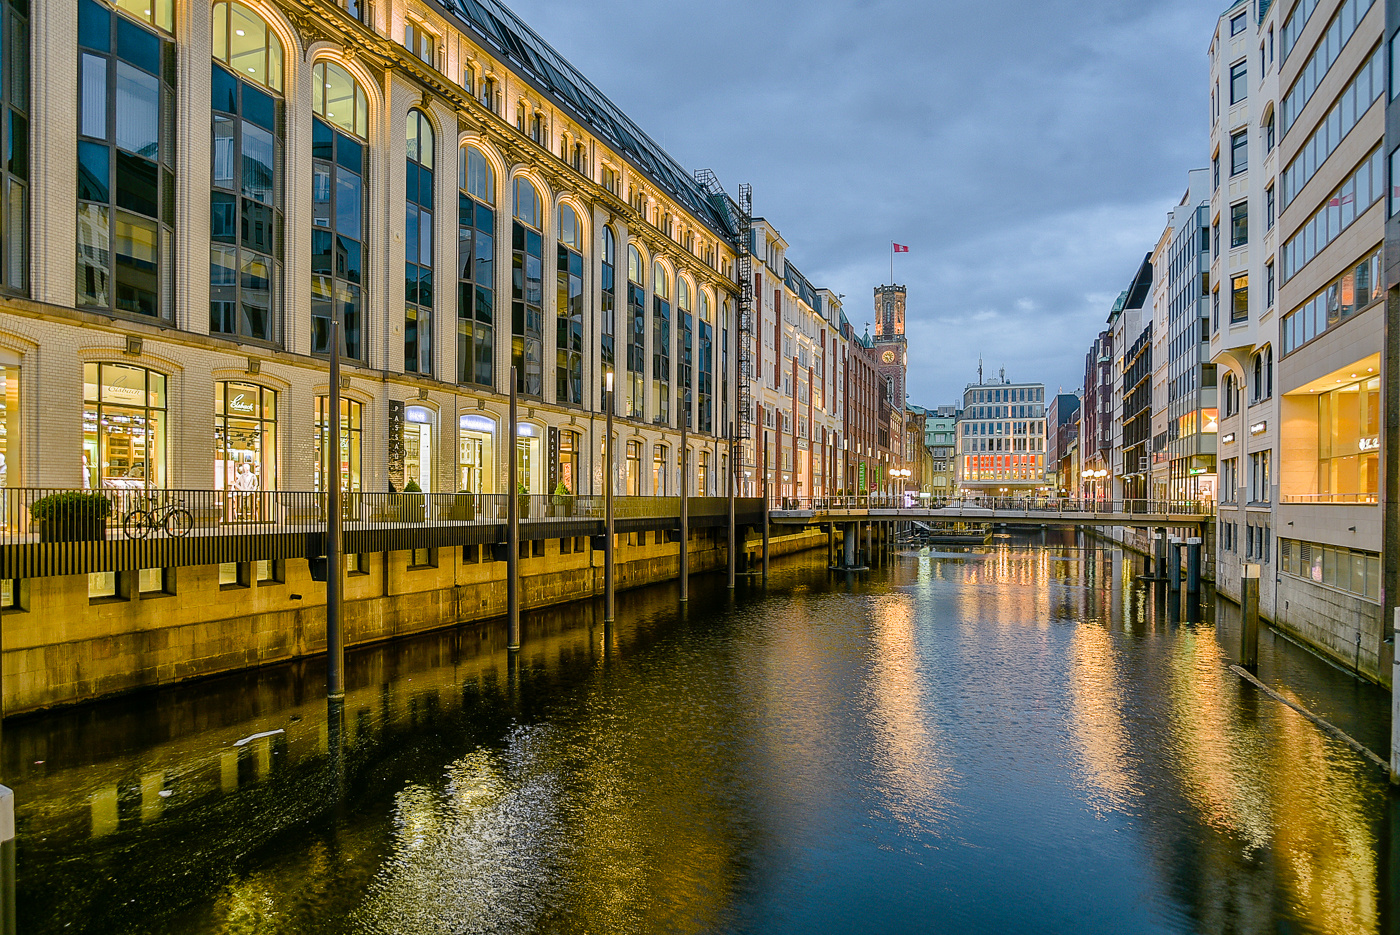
[537, 60]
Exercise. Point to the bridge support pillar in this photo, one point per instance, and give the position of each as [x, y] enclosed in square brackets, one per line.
[1160, 535]
[1249, 616]
[1193, 566]
[830, 544]
[870, 543]
[850, 542]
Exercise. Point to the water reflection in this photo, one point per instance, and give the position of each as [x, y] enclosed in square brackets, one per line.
[1021, 737]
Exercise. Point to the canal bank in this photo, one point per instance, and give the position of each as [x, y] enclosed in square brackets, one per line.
[193, 622]
[1008, 739]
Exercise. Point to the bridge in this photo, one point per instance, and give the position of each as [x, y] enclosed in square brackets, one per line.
[802, 511]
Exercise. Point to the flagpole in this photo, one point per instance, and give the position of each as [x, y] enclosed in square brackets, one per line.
[891, 262]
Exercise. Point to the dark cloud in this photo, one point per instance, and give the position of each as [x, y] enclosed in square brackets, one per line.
[1026, 151]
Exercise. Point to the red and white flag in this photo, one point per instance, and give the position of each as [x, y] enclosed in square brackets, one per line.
[899, 248]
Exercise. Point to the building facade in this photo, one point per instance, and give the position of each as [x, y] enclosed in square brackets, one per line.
[1001, 440]
[1192, 414]
[1061, 443]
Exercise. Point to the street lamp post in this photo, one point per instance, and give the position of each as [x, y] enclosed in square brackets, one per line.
[608, 511]
[335, 635]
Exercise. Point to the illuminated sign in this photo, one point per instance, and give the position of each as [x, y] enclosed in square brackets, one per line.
[418, 414]
[1227, 438]
[1369, 444]
[526, 430]
[1258, 428]
[242, 403]
[476, 424]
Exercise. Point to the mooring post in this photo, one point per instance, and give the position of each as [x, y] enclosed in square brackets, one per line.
[765, 523]
[610, 476]
[1193, 566]
[1174, 563]
[513, 527]
[1395, 702]
[335, 575]
[8, 925]
[1161, 542]
[685, 503]
[1249, 615]
[733, 474]
[869, 543]
[830, 544]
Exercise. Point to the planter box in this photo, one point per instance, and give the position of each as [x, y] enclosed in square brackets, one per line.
[73, 529]
[463, 508]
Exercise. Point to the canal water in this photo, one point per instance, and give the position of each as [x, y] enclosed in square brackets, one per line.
[1015, 739]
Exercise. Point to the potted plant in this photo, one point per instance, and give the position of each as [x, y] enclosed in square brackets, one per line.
[73, 516]
[463, 507]
[524, 496]
[563, 504]
[414, 506]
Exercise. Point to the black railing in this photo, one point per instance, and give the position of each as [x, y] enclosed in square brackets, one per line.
[974, 506]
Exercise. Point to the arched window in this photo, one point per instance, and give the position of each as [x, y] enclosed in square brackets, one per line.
[658, 471]
[527, 296]
[339, 255]
[245, 444]
[705, 366]
[351, 434]
[126, 150]
[1257, 392]
[568, 377]
[418, 246]
[124, 427]
[686, 350]
[607, 310]
[661, 343]
[245, 257]
[476, 245]
[636, 332]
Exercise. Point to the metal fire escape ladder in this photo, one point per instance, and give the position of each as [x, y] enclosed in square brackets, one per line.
[738, 216]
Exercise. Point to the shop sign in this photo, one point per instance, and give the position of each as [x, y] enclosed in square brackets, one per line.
[470, 423]
[553, 445]
[242, 404]
[1259, 428]
[1369, 444]
[526, 430]
[419, 414]
[396, 446]
[1227, 438]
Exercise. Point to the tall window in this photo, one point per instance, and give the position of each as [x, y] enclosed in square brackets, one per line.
[14, 144]
[338, 254]
[351, 431]
[634, 469]
[124, 426]
[685, 318]
[1239, 152]
[607, 310]
[568, 380]
[476, 250]
[418, 246]
[636, 333]
[661, 342]
[659, 485]
[245, 441]
[126, 149]
[1239, 298]
[1239, 81]
[704, 410]
[527, 291]
[1239, 224]
[420, 42]
[245, 258]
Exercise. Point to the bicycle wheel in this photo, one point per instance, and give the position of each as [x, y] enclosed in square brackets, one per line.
[136, 524]
[179, 522]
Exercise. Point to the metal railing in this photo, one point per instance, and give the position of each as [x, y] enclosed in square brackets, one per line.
[974, 506]
[45, 514]
[1353, 498]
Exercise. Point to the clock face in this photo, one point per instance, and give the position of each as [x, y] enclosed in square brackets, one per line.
[888, 357]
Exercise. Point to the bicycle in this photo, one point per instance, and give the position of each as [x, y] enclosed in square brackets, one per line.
[172, 517]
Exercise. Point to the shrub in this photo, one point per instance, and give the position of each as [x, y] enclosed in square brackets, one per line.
[71, 505]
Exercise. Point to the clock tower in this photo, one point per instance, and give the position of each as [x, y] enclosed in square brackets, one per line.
[890, 348]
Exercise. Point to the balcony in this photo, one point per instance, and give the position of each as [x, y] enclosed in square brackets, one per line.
[47, 532]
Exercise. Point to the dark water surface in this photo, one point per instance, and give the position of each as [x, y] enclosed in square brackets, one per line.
[1020, 741]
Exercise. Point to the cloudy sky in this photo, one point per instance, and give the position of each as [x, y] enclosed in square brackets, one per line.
[1027, 151]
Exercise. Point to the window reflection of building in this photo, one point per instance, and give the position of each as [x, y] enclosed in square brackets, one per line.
[475, 453]
[351, 430]
[658, 471]
[568, 460]
[418, 447]
[702, 485]
[124, 426]
[634, 469]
